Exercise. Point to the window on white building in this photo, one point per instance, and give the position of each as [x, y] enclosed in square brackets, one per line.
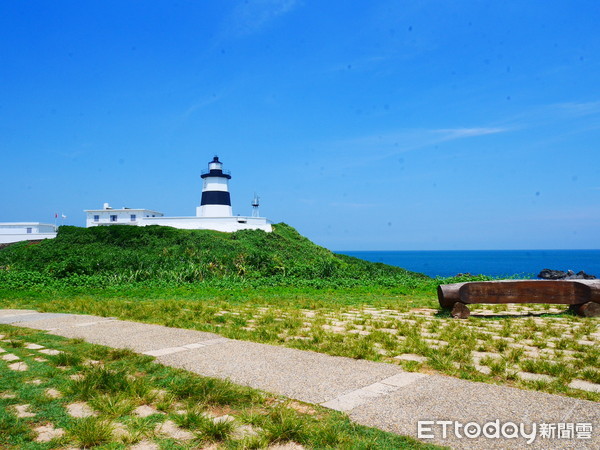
[113, 218]
[29, 230]
[96, 218]
[133, 217]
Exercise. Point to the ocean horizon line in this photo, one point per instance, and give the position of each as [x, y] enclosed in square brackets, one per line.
[502, 263]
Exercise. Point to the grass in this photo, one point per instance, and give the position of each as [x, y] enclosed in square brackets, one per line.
[115, 385]
[281, 289]
[117, 255]
[113, 405]
[365, 323]
[90, 432]
[214, 431]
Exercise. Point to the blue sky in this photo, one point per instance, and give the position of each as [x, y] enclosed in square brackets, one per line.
[388, 125]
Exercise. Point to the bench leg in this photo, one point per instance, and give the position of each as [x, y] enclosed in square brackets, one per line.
[460, 311]
[589, 309]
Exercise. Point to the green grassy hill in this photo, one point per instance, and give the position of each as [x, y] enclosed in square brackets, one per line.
[127, 254]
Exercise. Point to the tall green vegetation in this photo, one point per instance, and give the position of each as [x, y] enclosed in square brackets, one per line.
[125, 255]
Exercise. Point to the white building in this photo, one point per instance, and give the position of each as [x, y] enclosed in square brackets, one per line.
[123, 216]
[25, 231]
[214, 212]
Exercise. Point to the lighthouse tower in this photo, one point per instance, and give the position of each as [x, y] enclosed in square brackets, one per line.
[216, 201]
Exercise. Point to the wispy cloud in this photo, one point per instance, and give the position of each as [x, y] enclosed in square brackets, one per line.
[578, 109]
[253, 15]
[413, 139]
[354, 205]
[200, 104]
[548, 114]
[364, 150]
[450, 134]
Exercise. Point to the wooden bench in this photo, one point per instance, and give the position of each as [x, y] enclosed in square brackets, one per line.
[583, 296]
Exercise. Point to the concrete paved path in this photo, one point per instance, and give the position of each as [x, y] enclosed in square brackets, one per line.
[374, 394]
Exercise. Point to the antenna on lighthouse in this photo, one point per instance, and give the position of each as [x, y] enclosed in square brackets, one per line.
[255, 204]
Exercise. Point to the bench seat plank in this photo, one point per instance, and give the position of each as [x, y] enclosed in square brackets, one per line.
[566, 292]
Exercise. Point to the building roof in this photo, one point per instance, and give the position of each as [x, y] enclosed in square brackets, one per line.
[122, 210]
[28, 224]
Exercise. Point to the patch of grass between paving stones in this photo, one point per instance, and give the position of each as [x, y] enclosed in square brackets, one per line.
[498, 344]
[88, 395]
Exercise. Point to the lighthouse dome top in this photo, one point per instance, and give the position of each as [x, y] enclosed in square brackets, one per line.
[215, 169]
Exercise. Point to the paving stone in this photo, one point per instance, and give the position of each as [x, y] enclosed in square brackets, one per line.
[478, 356]
[145, 444]
[18, 366]
[286, 446]
[563, 352]
[50, 351]
[45, 433]
[34, 346]
[360, 332]
[483, 369]
[584, 385]
[388, 330]
[411, 357]
[53, 393]
[80, 410]
[436, 342]
[528, 376]
[119, 431]
[23, 411]
[10, 357]
[429, 335]
[170, 428]
[145, 411]
[225, 418]
[244, 431]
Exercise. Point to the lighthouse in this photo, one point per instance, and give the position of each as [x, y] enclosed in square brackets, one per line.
[216, 201]
[214, 212]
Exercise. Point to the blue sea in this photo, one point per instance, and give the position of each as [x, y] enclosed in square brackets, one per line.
[496, 263]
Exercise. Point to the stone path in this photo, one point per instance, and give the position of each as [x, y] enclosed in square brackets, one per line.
[374, 394]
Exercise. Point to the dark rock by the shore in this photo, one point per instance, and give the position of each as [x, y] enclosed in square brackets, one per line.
[549, 274]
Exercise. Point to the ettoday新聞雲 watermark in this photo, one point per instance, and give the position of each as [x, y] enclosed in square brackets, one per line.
[442, 429]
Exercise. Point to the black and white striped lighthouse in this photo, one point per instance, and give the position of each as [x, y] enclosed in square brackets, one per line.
[216, 201]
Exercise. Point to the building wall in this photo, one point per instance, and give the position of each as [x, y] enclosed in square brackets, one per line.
[214, 211]
[16, 232]
[216, 184]
[123, 216]
[226, 224]
[10, 238]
